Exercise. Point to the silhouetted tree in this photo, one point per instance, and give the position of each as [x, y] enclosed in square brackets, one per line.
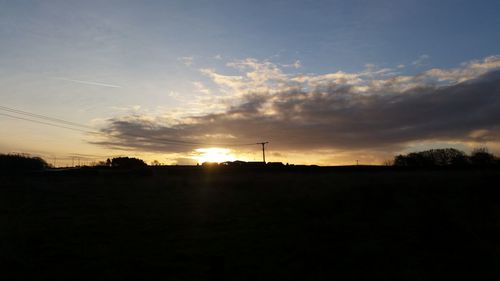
[12, 162]
[388, 162]
[432, 158]
[401, 161]
[127, 162]
[479, 157]
[482, 157]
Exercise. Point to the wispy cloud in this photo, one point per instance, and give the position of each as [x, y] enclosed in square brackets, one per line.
[201, 88]
[422, 60]
[93, 83]
[297, 64]
[187, 61]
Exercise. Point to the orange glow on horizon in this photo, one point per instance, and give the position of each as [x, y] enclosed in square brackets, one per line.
[214, 154]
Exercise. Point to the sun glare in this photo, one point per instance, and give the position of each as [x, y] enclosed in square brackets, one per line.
[214, 154]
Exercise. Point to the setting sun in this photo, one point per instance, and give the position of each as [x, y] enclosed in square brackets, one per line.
[214, 154]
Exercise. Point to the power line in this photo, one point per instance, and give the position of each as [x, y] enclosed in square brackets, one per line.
[45, 123]
[84, 131]
[51, 120]
[97, 133]
[40, 116]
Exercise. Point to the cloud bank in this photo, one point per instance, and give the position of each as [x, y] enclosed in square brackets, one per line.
[375, 109]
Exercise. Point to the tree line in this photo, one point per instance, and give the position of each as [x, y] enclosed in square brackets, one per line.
[13, 162]
[447, 157]
[23, 162]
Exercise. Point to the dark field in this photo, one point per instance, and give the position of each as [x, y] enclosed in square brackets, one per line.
[194, 224]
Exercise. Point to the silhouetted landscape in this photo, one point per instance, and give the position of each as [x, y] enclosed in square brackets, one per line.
[249, 140]
[126, 220]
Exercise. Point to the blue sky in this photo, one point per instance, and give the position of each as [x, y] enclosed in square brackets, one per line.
[325, 35]
[90, 61]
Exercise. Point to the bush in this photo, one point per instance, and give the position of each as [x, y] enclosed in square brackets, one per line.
[13, 162]
[127, 162]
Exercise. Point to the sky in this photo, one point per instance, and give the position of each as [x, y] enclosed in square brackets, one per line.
[181, 82]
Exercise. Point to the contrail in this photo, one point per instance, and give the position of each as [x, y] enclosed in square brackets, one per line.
[88, 82]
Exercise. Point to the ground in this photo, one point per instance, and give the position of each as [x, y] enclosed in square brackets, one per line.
[216, 224]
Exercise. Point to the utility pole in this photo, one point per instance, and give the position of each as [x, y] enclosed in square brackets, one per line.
[263, 150]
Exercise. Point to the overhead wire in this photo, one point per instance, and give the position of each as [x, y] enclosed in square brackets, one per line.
[45, 117]
[44, 123]
[48, 120]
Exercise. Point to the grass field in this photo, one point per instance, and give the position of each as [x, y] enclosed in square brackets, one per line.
[200, 224]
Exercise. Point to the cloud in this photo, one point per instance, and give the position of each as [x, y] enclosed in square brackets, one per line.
[422, 60]
[93, 83]
[297, 64]
[232, 82]
[173, 94]
[256, 76]
[201, 88]
[372, 110]
[466, 72]
[187, 61]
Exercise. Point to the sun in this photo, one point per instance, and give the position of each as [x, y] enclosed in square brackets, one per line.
[214, 154]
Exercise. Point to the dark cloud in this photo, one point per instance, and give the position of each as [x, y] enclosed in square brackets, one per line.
[333, 116]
